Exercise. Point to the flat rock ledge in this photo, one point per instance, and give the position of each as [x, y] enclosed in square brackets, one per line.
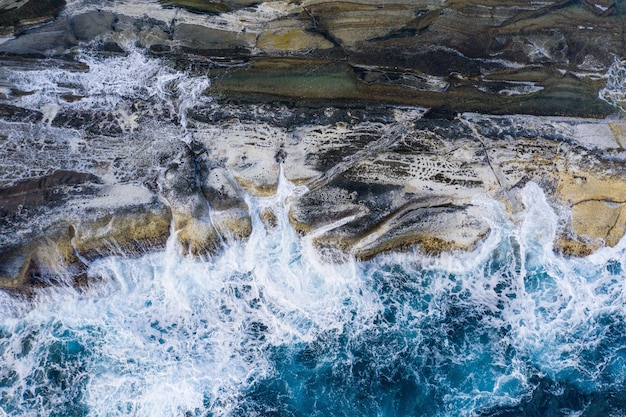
[401, 118]
[377, 180]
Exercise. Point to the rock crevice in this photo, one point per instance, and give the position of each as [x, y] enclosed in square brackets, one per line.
[119, 128]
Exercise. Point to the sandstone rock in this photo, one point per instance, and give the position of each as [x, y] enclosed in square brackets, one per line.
[291, 35]
[312, 92]
[128, 233]
[190, 211]
[229, 211]
[618, 129]
[66, 227]
[347, 24]
[13, 267]
[598, 202]
[597, 219]
[375, 181]
[248, 155]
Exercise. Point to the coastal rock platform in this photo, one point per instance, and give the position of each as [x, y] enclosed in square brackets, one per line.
[399, 121]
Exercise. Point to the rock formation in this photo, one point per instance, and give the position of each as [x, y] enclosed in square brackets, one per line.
[398, 117]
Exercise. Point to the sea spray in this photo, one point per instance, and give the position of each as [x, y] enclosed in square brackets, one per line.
[614, 92]
[267, 328]
[128, 87]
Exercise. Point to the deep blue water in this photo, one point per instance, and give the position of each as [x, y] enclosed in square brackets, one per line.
[266, 328]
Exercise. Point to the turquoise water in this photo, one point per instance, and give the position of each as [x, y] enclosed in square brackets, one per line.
[267, 328]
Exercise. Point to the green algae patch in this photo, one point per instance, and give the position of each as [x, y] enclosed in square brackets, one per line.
[298, 79]
[325, 81]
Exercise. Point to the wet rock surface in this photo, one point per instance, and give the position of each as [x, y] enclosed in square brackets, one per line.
[496, 57]
[123, 124]
[17, 15]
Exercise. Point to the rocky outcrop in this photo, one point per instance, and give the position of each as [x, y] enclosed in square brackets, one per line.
[119, 129]
[377, 180]
[17, 15]
[497, 57]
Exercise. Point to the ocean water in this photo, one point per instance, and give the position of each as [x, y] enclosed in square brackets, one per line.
[266, 328]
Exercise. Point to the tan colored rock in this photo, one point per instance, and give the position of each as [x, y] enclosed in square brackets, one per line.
[14, 265]
[268, 217]
[197, 236]
[596, 219]
[619, 132]
[58, 254]
[432, 229]
[228, 209]
[597, 200]
[352, 23]
[578, 185]
[618, 230]
[291, 36]
[123, 233]
[575, 247]
[235, 224]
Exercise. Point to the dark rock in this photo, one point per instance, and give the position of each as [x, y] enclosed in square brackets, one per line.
[87, 27]
[15, 18]
[601, 7]
[211, 7]
[443, 112]
[202, 37]
[52, 39]
[18, 114]
[41, 191]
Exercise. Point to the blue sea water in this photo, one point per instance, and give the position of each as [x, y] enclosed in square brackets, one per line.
[267, 328]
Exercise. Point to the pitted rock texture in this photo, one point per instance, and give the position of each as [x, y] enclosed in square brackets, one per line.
[388, 179]
[121, 126]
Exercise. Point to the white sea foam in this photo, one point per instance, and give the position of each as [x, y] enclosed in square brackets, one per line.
[111, 84]
[167, 334]
[614, 91]
[171, 334]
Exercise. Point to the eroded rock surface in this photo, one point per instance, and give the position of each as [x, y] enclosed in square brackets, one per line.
[499, 57]
[123, 125]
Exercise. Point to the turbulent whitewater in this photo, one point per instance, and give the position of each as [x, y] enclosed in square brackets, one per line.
[261, 212]
[267, 328]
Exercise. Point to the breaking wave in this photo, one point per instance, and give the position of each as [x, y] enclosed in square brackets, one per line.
[268, 328]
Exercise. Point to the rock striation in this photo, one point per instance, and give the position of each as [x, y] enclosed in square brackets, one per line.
[122, 125]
